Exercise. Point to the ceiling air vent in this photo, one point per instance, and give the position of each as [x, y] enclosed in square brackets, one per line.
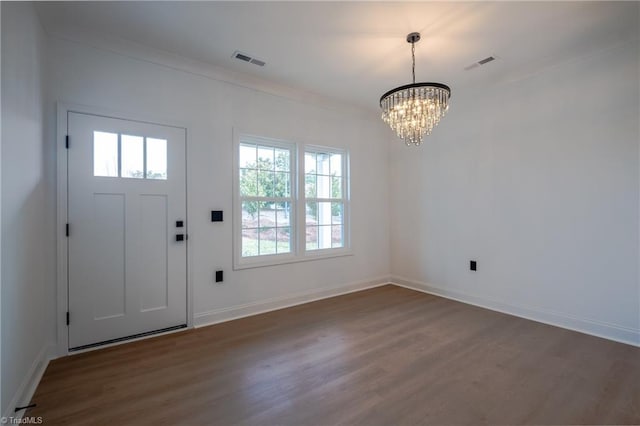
[247, 58]
[481, 62]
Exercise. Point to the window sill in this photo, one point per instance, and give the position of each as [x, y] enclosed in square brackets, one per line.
[309, 256]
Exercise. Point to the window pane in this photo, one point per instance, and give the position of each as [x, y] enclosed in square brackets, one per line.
[283, 214]
[312, 238]
[309, 162]
[283, 236]
[324, 237]
[323, 164]
[249, 242]
[336, 236]
[265, 183]
[265, 158]
[267, 215]
[282, 187]
[336, 187]
[310, 186]
[324, 186]
[267, 241]
[336, 164]
[312, 214]
[105, 154]
[248, 182]
[248, 156]
[156, 159]
[249, 214]
[324, 213]
[336, 213]
[132, 162]
[282, 160]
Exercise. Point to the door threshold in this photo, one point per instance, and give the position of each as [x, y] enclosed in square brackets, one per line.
[124, 339]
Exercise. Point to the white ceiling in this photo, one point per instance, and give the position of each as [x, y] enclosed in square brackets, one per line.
[355, 51]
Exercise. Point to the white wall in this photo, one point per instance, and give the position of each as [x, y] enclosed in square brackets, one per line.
[28, 206]
[210, 109]
[537, 180]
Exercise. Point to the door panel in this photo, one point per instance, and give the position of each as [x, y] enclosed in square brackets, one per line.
[127, 188]
[107, 244]
[153, 222]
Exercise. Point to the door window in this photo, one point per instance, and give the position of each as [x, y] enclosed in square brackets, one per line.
[129, 156]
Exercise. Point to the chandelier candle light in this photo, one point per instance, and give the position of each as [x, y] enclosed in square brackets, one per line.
[415, 109]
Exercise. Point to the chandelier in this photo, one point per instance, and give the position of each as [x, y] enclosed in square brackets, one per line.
[415, 109]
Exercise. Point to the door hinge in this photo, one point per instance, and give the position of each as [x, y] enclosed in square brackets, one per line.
[66, 229]
[66, 142]
[67, 317]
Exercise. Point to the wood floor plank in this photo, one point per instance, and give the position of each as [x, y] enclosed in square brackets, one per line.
[378, 357]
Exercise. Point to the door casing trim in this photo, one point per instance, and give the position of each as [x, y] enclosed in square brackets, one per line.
[62, 263]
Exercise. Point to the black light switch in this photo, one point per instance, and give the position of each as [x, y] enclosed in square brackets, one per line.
[218, 276]
[179, 224]
[180, 237]
[216, 215]
[472, 265]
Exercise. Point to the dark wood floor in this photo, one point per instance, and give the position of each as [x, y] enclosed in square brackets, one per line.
[387, 356]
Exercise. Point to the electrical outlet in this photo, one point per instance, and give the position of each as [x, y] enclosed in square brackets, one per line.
[472, 265]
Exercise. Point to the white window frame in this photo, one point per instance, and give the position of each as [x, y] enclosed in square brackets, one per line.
[241, 262]
[298, 205]
[318, 149]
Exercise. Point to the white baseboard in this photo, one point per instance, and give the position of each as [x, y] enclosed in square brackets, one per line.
[630, 336]
[240, 311]
[30, 383]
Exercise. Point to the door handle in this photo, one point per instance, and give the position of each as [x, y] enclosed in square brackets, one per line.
[179, 237]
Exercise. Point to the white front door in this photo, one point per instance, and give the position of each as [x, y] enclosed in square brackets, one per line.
[127, 229]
